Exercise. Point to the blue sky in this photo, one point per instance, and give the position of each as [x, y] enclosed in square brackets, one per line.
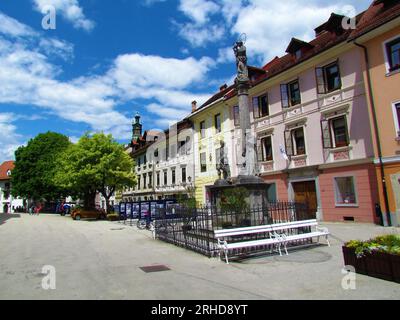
[108, 59]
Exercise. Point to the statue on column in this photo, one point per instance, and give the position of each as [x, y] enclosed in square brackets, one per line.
[241, 61]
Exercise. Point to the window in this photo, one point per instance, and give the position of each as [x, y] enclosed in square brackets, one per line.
[158, 179]
[165, 178]
[138, 183]
[260, 106]
[144, 181]
[203, 129]
[184, 175]
[217, 122]
[150, 180]
[396, 115]
[173, 176]
[182, 148]
[265, 150]
[393, 54]
[236, 115]
[290, 94]
[345, 191]
[295, 142]
[328, 78]
[203, 162]
[299, 141]
[335, 133]
[339, 128]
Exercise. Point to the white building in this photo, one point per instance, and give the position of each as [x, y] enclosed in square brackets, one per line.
[8, 204]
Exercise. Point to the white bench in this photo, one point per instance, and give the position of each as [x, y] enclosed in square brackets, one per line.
[278, 236]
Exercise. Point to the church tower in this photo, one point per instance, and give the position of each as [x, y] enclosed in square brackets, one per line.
[136, 128]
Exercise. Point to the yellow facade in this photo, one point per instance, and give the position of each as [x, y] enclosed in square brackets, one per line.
[209, 142]
[385, 92]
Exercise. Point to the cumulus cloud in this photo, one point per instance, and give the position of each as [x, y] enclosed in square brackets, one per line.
[28, 76]
[10, 139]
[70, 10]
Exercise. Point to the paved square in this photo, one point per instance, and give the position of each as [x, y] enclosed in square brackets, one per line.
[102, 260]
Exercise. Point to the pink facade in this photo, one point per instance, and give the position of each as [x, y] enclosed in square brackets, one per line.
[366, 191]
[339, 182]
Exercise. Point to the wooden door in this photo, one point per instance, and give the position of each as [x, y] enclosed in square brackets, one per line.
[306, 192]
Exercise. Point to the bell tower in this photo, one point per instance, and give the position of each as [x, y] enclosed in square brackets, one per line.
[136, 127]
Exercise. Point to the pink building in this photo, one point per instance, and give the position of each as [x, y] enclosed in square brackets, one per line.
[310, 115]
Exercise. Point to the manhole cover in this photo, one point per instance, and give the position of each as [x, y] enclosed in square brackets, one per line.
[150, 269]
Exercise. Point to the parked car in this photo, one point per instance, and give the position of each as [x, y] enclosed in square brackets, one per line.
[80, 213]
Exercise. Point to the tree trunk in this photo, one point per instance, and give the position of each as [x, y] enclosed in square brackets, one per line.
[107, 204]
[90, 200]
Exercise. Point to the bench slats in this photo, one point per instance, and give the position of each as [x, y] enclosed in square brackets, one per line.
[275, 237]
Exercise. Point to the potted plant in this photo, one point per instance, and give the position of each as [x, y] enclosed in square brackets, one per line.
[378, 257]
[235, 201]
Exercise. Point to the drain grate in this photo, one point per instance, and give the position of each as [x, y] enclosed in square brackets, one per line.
[150, 269]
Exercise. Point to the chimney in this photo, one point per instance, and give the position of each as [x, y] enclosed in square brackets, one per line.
[194, 106]
[222, 88]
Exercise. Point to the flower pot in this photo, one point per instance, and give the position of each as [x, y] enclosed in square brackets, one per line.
[378, 265]
[350, 259]
[395, 262]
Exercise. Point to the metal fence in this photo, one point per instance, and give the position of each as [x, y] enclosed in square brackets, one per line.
[193, 228]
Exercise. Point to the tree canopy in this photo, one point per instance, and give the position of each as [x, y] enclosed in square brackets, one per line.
[97, 163]
[35, 167]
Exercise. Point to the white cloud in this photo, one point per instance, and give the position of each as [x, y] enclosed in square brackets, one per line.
[10, 139]
[70, 10]
[28, 77]
[12, 27]
[199, 30]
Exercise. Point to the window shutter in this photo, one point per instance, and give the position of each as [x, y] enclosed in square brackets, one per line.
[339, 73]
[326, 134]
[347, 131]
[284, 96]
[319, 74]
[260, 157]
[256, 108]
[289, 143]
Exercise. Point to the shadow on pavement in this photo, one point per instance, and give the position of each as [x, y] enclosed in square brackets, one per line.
[5, 216]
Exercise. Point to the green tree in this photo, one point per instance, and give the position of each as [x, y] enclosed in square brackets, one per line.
[35, 167]
[97, 163]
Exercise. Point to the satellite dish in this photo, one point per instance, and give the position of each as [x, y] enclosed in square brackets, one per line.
[243, 38]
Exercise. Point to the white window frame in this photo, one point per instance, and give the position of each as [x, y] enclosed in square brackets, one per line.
[272, 146]
[395, 118]
[343, 205]
[294, 145]
[387, 65]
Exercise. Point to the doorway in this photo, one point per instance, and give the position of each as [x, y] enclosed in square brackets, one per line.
[306, 192]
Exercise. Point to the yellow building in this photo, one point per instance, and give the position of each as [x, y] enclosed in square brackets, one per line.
[378, 33]
[214, 128]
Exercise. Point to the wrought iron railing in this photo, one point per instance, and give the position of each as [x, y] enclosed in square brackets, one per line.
[193, 228]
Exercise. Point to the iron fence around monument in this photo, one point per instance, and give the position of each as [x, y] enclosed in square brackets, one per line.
[193, 228]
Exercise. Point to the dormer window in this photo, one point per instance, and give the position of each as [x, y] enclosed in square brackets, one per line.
[9, 173]
[297, 47]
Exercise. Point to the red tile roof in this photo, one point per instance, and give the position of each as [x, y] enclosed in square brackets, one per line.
[4, 168]
[379, 13]
[328, 35]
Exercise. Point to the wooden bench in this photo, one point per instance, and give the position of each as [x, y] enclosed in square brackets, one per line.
[279, 236]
